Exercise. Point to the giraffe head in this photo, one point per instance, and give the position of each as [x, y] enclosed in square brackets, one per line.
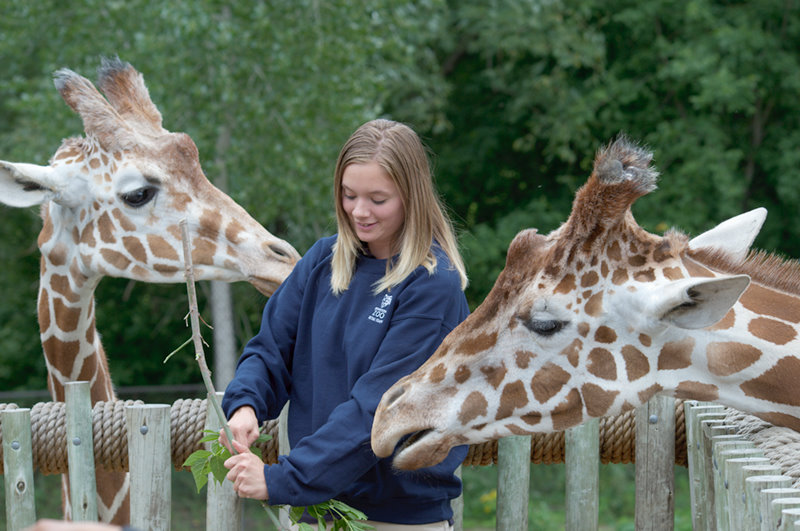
[576, 325]
[112, 200]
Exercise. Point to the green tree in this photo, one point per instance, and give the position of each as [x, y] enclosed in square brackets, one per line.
[268, 90]
[535, 87]
[513, 97]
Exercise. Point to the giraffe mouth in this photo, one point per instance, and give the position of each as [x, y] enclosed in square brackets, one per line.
[422, 449]
[264, 286]
[414, 438]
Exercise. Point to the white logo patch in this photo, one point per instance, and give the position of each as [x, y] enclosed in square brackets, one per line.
[378, 314]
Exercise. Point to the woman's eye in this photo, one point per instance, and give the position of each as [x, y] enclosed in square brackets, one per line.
[139, 197]
[379, 202]
[544, 327]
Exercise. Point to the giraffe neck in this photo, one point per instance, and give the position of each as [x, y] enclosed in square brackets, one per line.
[72, 347]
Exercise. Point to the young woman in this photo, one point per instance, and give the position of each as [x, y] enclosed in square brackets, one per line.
[362, 309]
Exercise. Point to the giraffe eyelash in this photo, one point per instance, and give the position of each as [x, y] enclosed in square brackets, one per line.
[139, 197]
[544, 327]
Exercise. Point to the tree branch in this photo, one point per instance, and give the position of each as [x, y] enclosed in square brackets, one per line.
[197, 339]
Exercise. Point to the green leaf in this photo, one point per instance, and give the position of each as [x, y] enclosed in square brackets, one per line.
[218, 469]
[347, 510]
[264, 437]
[211, 437]
[199, 456]
[295, 513]
[200, 477]
[342, 515]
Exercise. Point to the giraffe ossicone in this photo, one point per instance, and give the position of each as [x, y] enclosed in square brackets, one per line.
[111, 204]
[600, 315]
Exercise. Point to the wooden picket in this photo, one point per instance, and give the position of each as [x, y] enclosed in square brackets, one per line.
[18, 466]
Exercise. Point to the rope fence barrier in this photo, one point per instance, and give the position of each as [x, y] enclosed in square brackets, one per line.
[188, 416]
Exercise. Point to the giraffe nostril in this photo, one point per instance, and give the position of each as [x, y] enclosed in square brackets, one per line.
[397, 393]
[277, 250]
[283, 251]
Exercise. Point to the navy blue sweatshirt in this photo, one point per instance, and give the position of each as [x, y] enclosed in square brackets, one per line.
[333, 357]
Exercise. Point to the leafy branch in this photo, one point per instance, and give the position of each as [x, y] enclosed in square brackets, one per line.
[205, 462]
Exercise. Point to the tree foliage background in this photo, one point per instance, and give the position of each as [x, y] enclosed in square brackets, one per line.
[513, 97]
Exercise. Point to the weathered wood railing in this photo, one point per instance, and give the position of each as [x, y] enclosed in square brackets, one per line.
[724, 466]
[147, 439]
[743, 472]
[148, 457]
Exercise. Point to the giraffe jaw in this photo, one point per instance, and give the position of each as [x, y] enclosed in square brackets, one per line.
[267, 278]
[422, 449]
[263, 285]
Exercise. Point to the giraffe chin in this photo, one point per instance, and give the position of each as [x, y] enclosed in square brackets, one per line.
[264, 286]
[422, 449]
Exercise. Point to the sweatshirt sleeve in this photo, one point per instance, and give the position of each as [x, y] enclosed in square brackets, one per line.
[323, 464]
[262, 379]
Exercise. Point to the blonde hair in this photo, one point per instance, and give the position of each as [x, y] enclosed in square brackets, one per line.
[399, 151]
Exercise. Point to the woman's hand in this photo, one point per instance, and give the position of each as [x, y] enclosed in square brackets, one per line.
[246, 473]
[244, 427]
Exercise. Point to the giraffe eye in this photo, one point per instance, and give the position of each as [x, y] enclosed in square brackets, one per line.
[139, 197]
[544, 327]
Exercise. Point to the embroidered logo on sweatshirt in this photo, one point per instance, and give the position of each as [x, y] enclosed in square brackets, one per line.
[379, 313]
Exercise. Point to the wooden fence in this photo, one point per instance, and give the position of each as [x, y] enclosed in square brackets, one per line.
[149, 453]
[743, 472]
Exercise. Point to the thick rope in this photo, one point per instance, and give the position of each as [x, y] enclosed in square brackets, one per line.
[188, 417]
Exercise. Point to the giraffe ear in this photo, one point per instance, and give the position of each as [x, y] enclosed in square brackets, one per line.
[24, 185]
[696, 302]
[734, 235]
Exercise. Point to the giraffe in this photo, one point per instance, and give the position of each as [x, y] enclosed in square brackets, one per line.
[598, 316]
[111, 203]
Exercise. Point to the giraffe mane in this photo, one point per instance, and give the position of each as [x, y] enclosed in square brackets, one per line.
[768, 269]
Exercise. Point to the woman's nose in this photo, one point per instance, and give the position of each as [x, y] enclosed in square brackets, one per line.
[360, 209]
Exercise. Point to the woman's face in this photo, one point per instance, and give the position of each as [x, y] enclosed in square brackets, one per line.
[373, 205]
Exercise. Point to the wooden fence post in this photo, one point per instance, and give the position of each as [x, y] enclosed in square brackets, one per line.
[766, 516]
[457, 505]
[789, 519]
[513, 482]
[582, 458]
[753, 485]
[778, 506]
[18, 468]
[223, 506]
[655, 461]
[150, 466]
[736, 471]
[712, 432]
[699, 468]
[283, 448]
[722, 451]
[80, 452]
